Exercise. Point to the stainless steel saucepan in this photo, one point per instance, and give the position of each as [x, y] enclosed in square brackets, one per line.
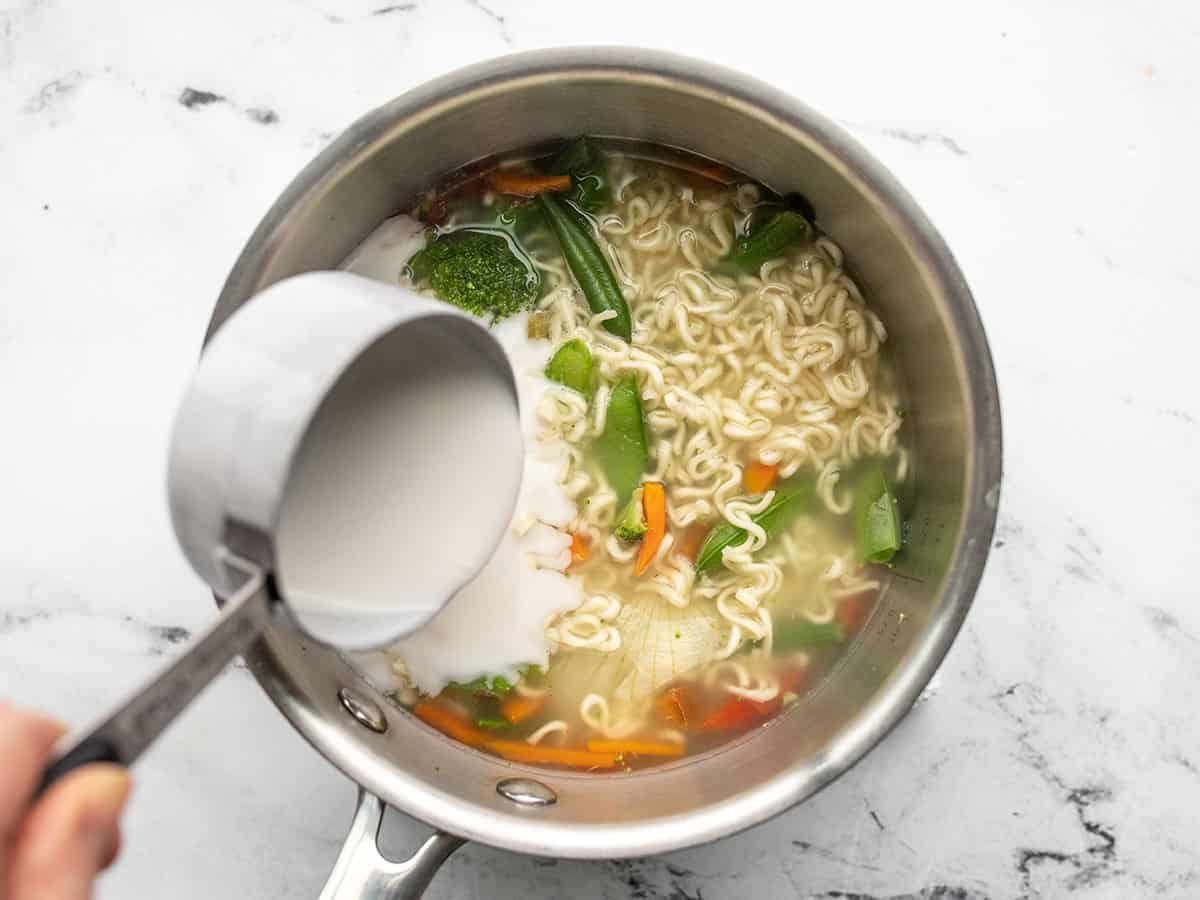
[375, 169]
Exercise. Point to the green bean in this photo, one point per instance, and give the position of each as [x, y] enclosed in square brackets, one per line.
[591, 270]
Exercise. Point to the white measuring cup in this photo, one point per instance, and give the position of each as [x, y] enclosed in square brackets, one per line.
[271, 438]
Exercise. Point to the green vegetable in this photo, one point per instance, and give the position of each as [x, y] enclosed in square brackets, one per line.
[801, 634]
[587, 263]
[492, 686]
[801, 204]
[621, 447]
[480, 272]
[632, 524]
[876, 516]
[487, 723]
[765, 239]
[520, 218]
[532, 675]
[792, 497]
[583, 161]
[571, 365]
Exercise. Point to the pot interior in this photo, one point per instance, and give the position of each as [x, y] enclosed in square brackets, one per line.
[382, 162]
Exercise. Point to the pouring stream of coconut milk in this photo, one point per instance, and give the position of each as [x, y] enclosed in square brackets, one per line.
[346, 458]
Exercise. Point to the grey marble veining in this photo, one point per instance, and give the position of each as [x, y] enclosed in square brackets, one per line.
[1059, 753]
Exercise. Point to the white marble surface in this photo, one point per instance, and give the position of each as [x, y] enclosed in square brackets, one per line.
[1055, 148]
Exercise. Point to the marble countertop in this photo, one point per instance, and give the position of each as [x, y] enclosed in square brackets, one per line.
[1060, 751]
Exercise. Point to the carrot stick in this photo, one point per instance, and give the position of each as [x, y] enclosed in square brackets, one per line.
[759, 477]
[639, 748]
[689, 543]
[676, 705]
[449, 723]
[581, 548]
[519, 707]
[522, 184]
[670, 709]
[519, 751]
[654, 505]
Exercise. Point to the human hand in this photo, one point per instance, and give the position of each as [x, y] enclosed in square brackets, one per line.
[54, 848]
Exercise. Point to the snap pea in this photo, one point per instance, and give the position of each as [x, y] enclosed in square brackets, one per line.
[583, 161]
[801, 634]
[876, 516]
[571, 365]
[765, 240]
[587, 263]
[791, 498]
[621, 447]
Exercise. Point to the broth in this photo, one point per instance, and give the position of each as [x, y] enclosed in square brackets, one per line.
[716, 452]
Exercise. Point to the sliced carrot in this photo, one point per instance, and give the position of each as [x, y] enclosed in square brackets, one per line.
[691, 540]
[637, 748]
[654, 506]
[524, 184]
[450, 723]
[738, 713]
[675, 706]
[759, 477]
[519, 751]
[519, 707]
[581, 548]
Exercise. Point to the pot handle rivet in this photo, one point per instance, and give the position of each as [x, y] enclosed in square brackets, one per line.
[366, 712]
[526, 792]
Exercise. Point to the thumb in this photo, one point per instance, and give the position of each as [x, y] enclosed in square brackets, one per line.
[69, 836]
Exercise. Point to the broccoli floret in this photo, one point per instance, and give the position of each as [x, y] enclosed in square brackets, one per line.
[632, 524]
[478, 272]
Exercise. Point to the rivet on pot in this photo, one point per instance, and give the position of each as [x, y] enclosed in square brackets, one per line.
[526, 792]
[366, 712]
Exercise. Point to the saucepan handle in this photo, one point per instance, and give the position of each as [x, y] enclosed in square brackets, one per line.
[363, 873]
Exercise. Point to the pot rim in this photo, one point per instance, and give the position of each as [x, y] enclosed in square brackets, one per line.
[982, 466]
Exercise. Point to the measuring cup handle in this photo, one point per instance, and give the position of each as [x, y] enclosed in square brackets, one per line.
[122, 735]
[92, 749]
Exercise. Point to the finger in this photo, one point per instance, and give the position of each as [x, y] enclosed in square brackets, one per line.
[70, 835]
[26, 740]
